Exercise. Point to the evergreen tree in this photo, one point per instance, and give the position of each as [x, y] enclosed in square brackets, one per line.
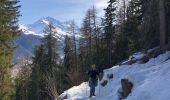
[86, 42]
[8, 20]
[167, 6]
[9, 13]
[89, 46]
[150, 23]
[22, 82]
[121, 41]
[35, 77]
[83, 58]
[95, 35]
[109, 31]
[74, 49]
[69, 68]
[46, 68]
[134, 18]
[163, 26]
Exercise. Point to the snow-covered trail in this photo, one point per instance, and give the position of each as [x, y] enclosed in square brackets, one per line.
[151, 81]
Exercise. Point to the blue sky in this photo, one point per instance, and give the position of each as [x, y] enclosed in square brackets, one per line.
[62, 10]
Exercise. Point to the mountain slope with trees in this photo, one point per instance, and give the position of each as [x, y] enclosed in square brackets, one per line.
[63, 53]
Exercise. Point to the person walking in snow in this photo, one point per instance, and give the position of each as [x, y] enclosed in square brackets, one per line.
[93, 78]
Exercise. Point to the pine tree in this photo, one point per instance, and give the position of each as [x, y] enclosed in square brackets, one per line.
[86, 42]
[121, 40]
[22, 81]
[9, 13]
[74, 49]
[134, 18]
[95, 35]
[36, 76]
[83, 60]
[109, 31]
[69, 68]
[51, 66]
[150, 23]
[9, 18]
[167, 4]
[163, 30]
[89, 45]
[46, 68]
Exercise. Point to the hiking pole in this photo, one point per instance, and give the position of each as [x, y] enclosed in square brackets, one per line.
[86, 89]
[99, 87]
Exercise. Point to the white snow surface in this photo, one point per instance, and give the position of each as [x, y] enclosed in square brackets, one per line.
[151, 81]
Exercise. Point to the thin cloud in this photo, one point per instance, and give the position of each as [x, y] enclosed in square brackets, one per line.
[101, 3]
[59, 9]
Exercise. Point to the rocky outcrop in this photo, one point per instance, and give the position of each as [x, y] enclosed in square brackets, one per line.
[126, 88]
[104, 83]
[110, 76]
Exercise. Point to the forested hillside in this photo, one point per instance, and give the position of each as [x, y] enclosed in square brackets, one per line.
[125, 28]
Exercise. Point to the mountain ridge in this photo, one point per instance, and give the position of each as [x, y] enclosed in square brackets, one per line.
[32, 33]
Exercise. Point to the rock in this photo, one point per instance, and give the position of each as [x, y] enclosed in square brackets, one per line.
[63, 98]
[104, 83]
[131, 62]
[110, 76]
[126, 87]
[145, 59]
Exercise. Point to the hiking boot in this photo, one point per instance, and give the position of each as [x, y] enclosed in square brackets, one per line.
[90, 95]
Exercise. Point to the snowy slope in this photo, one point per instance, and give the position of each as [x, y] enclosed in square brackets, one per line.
[151, 82]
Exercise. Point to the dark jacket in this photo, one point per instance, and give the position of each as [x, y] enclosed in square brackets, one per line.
[93, 74]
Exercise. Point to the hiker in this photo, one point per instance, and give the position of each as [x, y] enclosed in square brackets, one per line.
[93, 78]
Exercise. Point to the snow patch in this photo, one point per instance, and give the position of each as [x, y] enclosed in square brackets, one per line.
[150, 81]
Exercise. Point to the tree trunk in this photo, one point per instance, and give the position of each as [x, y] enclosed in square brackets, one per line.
[124, 15]
[162, 24]
[75, 51]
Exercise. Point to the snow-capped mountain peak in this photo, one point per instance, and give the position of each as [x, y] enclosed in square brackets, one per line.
[38, 27]
[32, 34]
